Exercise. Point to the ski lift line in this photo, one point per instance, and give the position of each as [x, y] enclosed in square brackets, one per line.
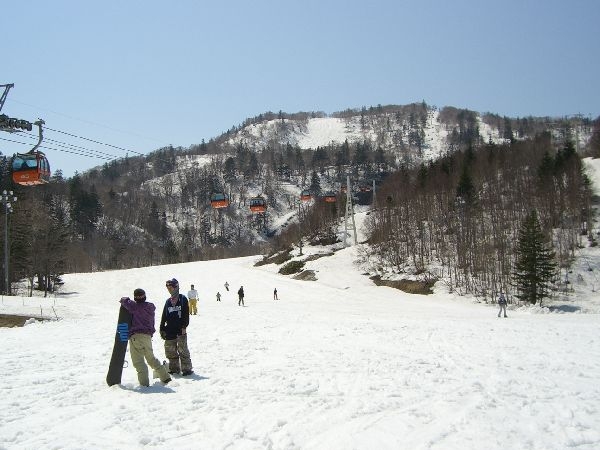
[102, 143]
[67, 144]
[94, 141]
[88, 152]
[84, 151]
[87, 121]
[59, 150]
[70, 152]
[72, 146]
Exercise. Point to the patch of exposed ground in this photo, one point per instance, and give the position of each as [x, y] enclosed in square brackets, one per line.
[7, 321]
[410, 286]
[306, 275]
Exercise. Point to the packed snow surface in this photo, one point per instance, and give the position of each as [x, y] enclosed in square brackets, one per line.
[336, 363]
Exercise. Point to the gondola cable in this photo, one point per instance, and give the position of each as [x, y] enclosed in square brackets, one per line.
[92, 152]
[103, 143]
[92, 140]
[59, 150]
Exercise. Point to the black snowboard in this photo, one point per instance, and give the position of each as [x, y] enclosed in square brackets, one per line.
[115, 369]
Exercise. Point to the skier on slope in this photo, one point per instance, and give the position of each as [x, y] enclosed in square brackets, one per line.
[502, 304]
[193, 300]
[241, 296]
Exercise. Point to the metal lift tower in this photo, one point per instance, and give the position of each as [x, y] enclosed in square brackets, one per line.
[349, 213]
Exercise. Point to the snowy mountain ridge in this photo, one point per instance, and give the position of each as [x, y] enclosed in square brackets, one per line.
[323, 131]
[423, 134]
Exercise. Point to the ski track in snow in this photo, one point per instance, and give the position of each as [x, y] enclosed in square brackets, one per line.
[332, 365]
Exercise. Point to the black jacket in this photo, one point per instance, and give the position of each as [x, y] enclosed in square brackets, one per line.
[174, 318]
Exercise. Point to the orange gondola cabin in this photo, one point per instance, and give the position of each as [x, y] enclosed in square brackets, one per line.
[219, 200]
[258, 205]
[329, 197]
[30, 169]
[305, 195]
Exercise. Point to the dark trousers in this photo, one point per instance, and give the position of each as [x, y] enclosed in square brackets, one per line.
[502, 307]
[178, 354]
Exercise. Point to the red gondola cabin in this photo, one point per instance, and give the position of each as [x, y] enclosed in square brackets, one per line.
[329, 197]
[258, 205]
[219, 200]
[30, 169]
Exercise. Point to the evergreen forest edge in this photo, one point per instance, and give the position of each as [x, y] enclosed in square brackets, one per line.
[457, 218]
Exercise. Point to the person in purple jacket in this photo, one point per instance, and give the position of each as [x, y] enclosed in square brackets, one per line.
[140, 338]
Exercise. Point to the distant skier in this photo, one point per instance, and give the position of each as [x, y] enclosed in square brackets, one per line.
[218, 296]
[193, 299]
[241, 296]
[275, 294]
[502, 303]
[226, 286]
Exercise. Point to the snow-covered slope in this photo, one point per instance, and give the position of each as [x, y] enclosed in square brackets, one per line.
[323, 131]
[336, 363]
[422, 134]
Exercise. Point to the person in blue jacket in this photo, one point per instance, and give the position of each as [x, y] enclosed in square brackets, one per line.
[140, 338]
[173, 329]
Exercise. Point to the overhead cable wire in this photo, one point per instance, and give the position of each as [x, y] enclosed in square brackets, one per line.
[86, 151]
[57, 149]
[101, 143]
[67, 144]
[94, 141]
[12, 99]
[73, 146]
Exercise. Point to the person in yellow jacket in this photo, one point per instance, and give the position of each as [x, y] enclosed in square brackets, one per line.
[193, 300]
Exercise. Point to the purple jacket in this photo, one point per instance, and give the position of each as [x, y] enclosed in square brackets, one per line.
[142, 316]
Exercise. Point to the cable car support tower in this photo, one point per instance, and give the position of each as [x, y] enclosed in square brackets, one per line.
[349, 213]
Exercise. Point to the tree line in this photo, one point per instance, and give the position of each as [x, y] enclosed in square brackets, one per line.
[458, 218]
[155, 209]
[152, 210]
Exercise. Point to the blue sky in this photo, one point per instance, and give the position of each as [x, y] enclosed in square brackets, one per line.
[139, 75]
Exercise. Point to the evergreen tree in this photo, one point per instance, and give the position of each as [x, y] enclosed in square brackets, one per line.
[361, 155]
[86, 208]
[422, 176]
[319, 158]
[252, 170]
[466, 189]
[57, 176]
[229, 170]
[299, 160]
[315, 183]
[508, 132]
[535, 267]
[379, 158]
[153, 224]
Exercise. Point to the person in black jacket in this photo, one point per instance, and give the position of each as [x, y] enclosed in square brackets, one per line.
[173, 329]
[241, 296]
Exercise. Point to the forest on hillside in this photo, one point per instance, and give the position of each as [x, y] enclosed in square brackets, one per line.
[453, 218]
[458, 219]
